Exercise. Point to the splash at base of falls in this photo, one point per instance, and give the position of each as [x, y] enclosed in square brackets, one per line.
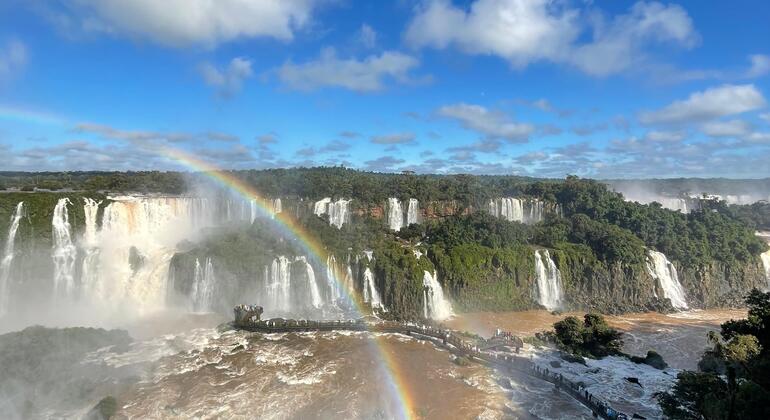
[662, 270]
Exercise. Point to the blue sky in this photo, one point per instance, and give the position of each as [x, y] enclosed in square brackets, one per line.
[609, 89]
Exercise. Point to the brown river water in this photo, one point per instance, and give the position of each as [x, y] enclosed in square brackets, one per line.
[191, 370]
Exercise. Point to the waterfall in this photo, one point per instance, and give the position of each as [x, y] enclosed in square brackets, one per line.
[278, 284]
[413, 212]
[435, 305]
[527, 211]
[662, 270]
[204, 282]
[369, 254]
[337, 210]
[89, 275]
[766, 264]
[395, 214]
[315, 293]
[549, 285]
[64, 250]
[331, 279]
[370, 290]
[277, 206]
[143, 231]
[8, 254]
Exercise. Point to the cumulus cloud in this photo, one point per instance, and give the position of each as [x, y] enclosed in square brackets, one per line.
[708, 104]
[365, 75]
[383, 164]
[491, 124]
[228, 80]
[760, 65]
[394, 139]
[730, 128]
[180, 23]
[664, 136]
[527, 31]
[13, 57]
[367, 36]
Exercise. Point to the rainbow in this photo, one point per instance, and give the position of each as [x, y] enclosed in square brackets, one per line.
[29, 115]
[396, 381]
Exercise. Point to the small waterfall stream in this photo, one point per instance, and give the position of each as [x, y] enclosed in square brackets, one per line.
[766, 264]
[413, 212]
[8, 254]
[662, 270]
[371, 295]
[435, 304]
[64, 250]
[549, 285]
[204, 283]
[338, 211]
[395, 214]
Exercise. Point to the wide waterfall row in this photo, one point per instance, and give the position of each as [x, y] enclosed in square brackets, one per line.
[435, 304]
[549, 284]
[662, 270]
[8, 254]
[518, 209]
[338, 211]
[397, 218]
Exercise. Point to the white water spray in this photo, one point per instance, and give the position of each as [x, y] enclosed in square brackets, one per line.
[662, 270]
[315, 293]
[435, 304]
[395, 214]
[371, 295]
[8, 254]
[413, 212]
[549, 284]
[204, 283]
[64, 250]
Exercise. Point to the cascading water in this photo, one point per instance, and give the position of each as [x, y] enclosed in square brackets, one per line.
[435, 305]
[662, 270]
[413, 212]
[278, 285]
[549, 285]
[331, 281]
[277, 206]
[135, 245]
[766, 264]
[204, 283]
[64, 250]
[527, 211]
[8, 254]
[371, 295]
[395, 214]
[89, 273]
[315, 293]
[337, 210]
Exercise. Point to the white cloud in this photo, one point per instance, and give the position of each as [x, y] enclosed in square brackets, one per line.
[664, 136]
[708, 104]
[397, 138]
[491, 124]
[760, 65]
[730, 128]
[367, 36]
[187, 22]
[526, 31]
[765, 116]
[13, 57]
[365, 75]
[228, 80]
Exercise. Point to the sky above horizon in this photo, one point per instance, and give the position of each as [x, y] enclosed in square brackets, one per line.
[605, 89]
